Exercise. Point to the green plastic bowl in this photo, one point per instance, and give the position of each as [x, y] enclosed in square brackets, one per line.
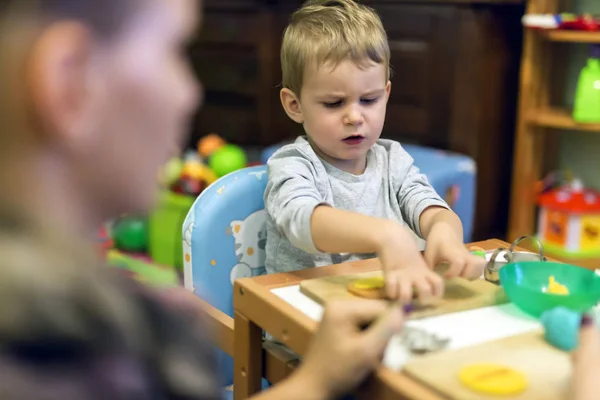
[525, 284]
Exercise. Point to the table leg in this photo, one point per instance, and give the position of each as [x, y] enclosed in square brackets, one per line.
[247, 360]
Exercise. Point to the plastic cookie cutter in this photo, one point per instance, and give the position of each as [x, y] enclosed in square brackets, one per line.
[502, 256]
[419, 341]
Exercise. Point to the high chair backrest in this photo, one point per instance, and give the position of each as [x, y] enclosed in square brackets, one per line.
[224, 237]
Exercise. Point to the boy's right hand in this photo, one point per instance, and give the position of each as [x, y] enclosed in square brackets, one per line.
[405, 269]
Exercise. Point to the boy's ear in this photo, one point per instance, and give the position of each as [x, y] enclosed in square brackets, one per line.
[388, 89]
[291, 105]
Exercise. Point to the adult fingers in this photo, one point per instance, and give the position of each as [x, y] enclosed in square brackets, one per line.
[378, 335]
[354, 313]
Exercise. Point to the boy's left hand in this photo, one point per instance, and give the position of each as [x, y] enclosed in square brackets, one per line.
[444, 246]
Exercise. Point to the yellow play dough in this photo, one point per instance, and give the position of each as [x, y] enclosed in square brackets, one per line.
[556, 288]
[369, 283]
[493, 379]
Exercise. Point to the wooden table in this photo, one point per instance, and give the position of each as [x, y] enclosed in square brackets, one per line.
[257, 308]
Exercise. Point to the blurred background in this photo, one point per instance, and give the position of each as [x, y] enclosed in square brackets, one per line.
[498, 102]
[456, 66]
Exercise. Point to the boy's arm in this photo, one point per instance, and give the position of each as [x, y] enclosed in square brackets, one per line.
[431, 218]
[291, 196]
[417, 198]
[422, 207]
[438, 215]
[339, 231]
[309, 223]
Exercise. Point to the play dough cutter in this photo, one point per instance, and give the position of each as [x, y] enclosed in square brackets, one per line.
[419, 341]
[500, 257]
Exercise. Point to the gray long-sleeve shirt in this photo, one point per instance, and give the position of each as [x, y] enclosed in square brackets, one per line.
[391, 187]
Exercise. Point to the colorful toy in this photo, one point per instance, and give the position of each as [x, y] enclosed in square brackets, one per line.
[209, 144]
[526, 285]
[182, 180]
[569, 221]
[171, 171]
[585, 22]
[105, 241]
[165, 233]
[556, 288]
[561, 327]
[130, 234]
[189, 177]
[227, 159]
[586, 108]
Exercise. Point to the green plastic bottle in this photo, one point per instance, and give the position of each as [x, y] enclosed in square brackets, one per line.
[587, 97]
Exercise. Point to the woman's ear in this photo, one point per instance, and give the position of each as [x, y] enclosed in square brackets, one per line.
[58, 75]
[291, 105]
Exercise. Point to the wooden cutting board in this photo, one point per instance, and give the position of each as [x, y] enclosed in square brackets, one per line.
[460, 294]
[548, 369]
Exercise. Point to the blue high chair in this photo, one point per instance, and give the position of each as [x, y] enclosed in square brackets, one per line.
[224, 237]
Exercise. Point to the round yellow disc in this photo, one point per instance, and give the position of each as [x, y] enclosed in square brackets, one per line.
[369, 283]
[493, 379]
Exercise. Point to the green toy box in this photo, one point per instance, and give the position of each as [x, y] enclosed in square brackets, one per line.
[166, 222]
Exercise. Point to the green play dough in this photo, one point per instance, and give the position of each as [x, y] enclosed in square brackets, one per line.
[479, 253]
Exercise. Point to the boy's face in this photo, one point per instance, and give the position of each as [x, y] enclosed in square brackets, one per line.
[126, 108]
[343, 110]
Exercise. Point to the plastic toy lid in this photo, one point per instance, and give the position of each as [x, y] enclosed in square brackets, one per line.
[573, 199]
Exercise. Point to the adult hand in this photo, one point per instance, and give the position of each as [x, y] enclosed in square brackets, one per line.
[586, 363]
[343, 352]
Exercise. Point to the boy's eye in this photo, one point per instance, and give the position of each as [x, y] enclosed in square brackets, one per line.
[369, 100]
[332, 104]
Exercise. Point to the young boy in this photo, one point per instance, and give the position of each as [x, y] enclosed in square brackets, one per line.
[341, 193]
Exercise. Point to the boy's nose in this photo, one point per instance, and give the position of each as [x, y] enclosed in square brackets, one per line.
[353, 116]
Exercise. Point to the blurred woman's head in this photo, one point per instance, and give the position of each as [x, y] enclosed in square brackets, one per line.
[94, 97]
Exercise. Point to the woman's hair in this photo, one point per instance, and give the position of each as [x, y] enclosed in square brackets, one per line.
[104, 17]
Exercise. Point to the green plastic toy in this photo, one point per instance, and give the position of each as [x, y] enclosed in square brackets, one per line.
[525, 284]
[228, 159]
[131, 234]
[166, 226]
[587, 97]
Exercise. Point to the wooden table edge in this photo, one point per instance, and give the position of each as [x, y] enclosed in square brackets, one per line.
[291, 326]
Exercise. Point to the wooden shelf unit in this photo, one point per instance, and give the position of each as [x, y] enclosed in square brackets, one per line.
[557, 118]
[570, 36]
[541, 75]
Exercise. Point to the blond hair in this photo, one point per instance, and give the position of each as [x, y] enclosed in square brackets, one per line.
[331, 31]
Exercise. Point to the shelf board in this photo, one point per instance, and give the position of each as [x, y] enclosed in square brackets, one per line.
[557, 35]
[559, 119]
